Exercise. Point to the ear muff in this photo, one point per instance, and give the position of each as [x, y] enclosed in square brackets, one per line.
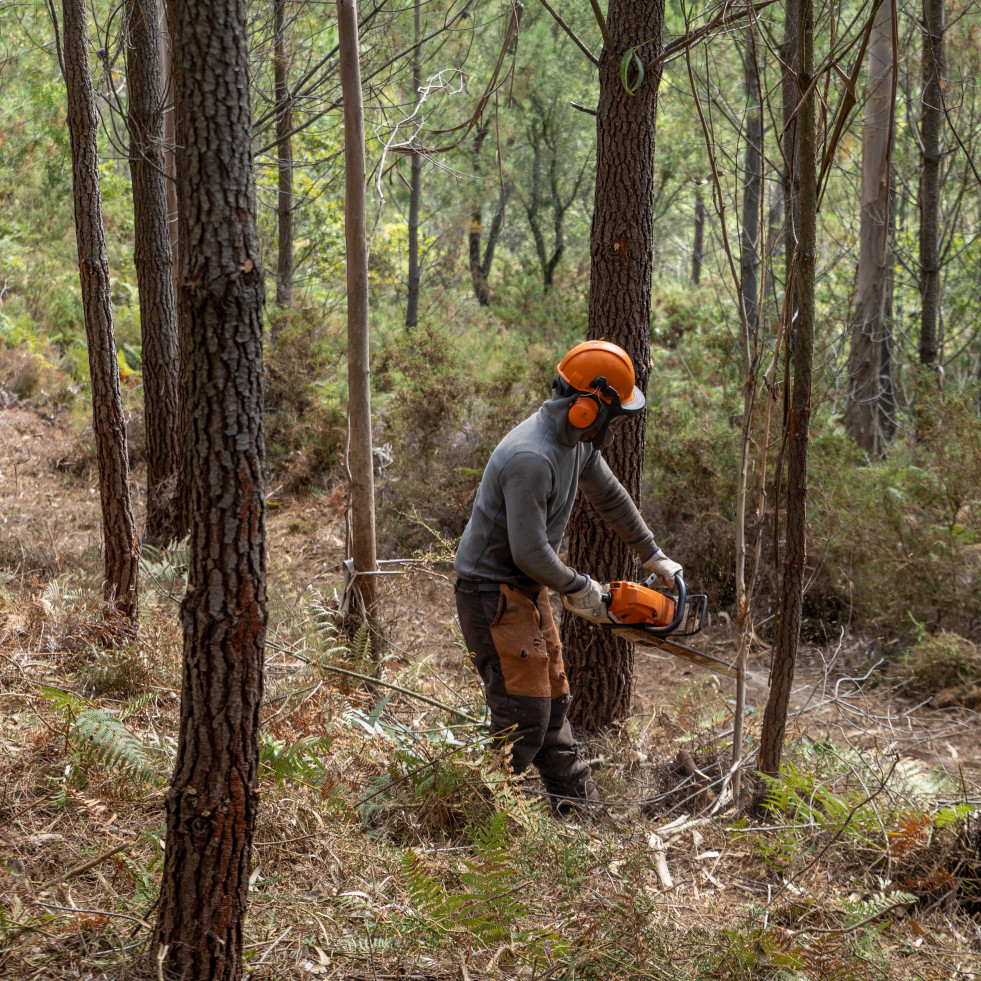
[584, 411]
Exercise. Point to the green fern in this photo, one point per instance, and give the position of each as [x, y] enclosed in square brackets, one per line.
[103, 739]
[297, 762]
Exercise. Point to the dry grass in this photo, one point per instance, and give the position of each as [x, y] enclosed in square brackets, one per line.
[391, 845]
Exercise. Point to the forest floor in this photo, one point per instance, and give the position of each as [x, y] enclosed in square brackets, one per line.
[390, 847]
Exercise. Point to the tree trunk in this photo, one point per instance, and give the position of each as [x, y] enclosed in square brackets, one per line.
[213, 797]
[865, 359]
[787, 626]
[480, 266]
[284, 157]
[931, 129]
[360, 463]
[118, 527]
[749, 238]
[698, 246]
[415, 183]
[600, 666]
[790, 175]
[153, 260]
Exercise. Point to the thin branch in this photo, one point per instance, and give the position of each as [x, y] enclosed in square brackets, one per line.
[575, 37]
[589, 112]
[602, 25]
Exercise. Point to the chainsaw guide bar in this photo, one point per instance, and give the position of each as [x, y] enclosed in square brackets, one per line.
[678, 650]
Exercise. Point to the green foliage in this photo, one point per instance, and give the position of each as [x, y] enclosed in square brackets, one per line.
[941, 661]
[294, 761]
[100, 738]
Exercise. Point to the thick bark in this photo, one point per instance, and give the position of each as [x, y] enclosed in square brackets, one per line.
[787, 626]
[213, 797]
[600, 666]
[172, 140]
[749, 237]
[118, 527]
[360, 463]
[284, 159]
[415, 184]
[931, 129]
[153, 260]
[868, 333]
[698, 246]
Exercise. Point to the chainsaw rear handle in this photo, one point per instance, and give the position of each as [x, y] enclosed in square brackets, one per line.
[679, 614]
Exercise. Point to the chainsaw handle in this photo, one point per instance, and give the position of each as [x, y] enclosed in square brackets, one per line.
[679, 614]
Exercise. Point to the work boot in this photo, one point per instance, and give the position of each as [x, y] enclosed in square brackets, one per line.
[581, 801]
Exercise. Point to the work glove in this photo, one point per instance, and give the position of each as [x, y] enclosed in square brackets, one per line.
[587, 601]
[664, 568]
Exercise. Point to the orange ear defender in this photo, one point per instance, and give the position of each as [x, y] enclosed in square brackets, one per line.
[583, 412]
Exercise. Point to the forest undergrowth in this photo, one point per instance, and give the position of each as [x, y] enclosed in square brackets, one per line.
[392, 844]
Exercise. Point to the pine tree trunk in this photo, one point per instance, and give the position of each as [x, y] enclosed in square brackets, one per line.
[213, 797]
[931, 129]
[790, 176]
[118, 526]
[415, 184]
[284, 155]
[865, 359]
[600, 667]
[360, 461]
[153, 260]
[787, 626]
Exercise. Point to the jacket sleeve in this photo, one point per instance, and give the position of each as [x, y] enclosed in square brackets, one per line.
[610, 498]
[527, 484]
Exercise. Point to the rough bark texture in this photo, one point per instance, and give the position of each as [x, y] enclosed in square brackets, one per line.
[284, 159]
[749, 237]
[415, 184]
[173, 139]
[868, 333]
[931, 128]
[360, 462]
[212, 800]
[787, 626]
[600, 667]
[153, 260]
[118, 526]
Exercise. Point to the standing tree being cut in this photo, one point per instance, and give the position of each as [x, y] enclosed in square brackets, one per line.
[621, 246]
[118, 526]
[212, 800]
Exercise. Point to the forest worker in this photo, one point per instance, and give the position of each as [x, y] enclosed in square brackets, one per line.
[507, 559]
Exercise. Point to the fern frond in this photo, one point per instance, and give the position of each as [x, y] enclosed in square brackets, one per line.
[101, 737]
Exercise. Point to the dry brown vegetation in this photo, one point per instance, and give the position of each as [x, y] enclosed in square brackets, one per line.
[390, 843]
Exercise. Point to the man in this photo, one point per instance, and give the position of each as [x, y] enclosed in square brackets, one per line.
[507, 559]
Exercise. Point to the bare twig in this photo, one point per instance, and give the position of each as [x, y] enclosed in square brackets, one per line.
[85, 866]
[565, 27]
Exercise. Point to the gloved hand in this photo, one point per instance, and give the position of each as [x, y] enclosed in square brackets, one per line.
[664, 568]
[587, 601]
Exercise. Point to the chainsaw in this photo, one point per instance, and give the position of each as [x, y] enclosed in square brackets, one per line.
[644, 615]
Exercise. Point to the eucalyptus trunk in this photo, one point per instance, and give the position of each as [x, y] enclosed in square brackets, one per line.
[360, 461]
[213, 797]
[869, 331]
[119, 538]
[284, 158]
[415, 182]
[600, 666]
[931, 131]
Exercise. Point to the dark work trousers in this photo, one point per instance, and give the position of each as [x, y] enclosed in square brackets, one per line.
[513, 642]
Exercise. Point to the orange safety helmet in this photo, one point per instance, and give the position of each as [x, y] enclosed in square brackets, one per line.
[604, 373]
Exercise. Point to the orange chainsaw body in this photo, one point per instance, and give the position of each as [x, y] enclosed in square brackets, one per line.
[633, 602]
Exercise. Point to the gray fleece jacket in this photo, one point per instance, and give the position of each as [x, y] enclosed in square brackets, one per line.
[525, 499]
